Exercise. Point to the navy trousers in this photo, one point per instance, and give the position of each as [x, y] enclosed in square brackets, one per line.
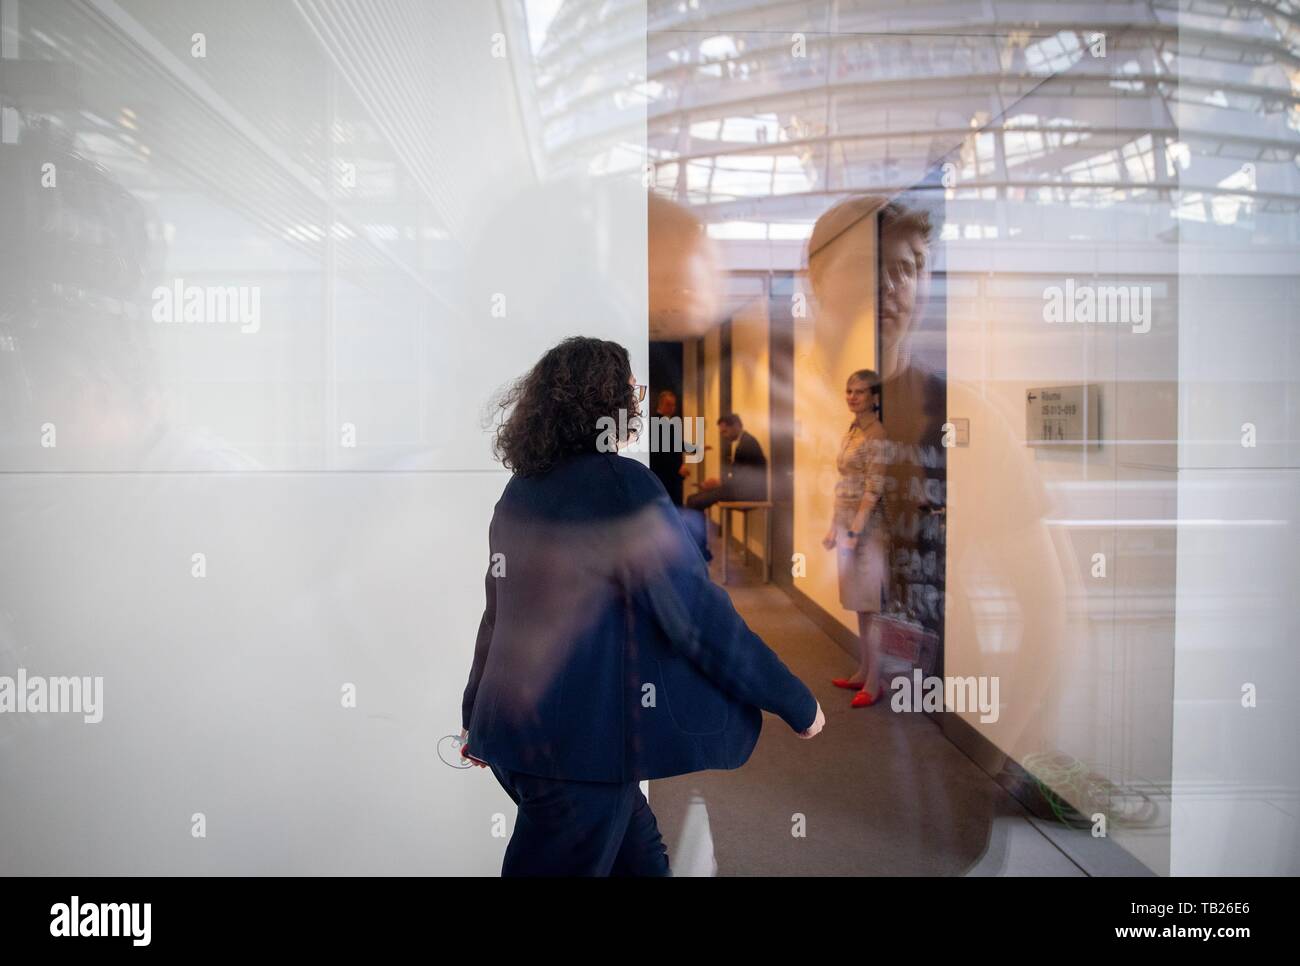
[573, 828]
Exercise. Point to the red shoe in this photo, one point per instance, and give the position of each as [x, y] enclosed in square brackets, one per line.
[846, 683]
[864, 700]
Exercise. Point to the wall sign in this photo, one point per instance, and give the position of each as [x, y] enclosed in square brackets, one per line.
[1063, 416]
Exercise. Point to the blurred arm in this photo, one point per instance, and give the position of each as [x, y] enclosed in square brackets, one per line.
[666, 575]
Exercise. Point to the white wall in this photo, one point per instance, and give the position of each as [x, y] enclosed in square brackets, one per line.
[825, 352]
[710, 406]
[328, 565]
[750, 371]
[1236, 764]
[1081, 645]
[1235, 760]
[1137, 676]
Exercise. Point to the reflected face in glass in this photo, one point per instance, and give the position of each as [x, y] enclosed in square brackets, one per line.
[904, 269]
[667, 405]
[857, 394]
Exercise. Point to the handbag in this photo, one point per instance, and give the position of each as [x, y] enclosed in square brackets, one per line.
[904, 636]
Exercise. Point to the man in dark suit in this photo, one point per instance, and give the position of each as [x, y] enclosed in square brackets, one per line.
[669, 465]
[746, 473]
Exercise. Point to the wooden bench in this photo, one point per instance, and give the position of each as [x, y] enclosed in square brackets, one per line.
[745, 507]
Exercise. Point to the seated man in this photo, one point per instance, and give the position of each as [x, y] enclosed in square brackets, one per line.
[745, 477]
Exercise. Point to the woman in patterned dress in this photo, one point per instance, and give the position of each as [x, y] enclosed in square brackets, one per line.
[858, 532]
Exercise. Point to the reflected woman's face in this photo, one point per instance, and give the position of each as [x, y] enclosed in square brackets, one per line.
[903, 271]
[857, 394]
[845, 289]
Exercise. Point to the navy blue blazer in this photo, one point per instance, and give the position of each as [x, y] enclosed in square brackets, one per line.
[605, 652]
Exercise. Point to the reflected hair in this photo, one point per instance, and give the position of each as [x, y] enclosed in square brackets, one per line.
[554, 410]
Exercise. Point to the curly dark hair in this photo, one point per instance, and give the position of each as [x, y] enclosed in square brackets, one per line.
[556, 407]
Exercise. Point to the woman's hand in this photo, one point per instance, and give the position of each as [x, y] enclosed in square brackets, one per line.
[817, 724]
[464, 753]
[855, 532]
[828, 541]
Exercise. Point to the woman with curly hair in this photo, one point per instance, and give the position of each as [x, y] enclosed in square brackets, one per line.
[605, 655]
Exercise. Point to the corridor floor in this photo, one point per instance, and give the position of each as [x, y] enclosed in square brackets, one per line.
[878, 792]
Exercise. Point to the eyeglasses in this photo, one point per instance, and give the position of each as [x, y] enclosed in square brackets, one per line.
[640, 392]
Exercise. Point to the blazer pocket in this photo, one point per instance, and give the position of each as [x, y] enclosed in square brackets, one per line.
[696, 705]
